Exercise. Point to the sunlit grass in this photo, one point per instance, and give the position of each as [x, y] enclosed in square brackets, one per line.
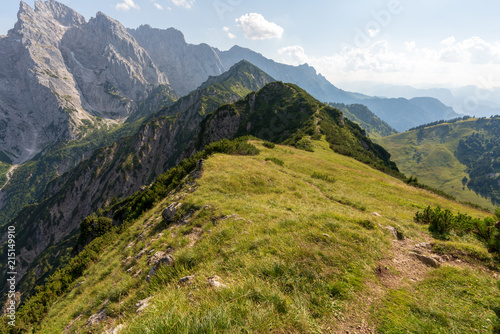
[299, 250]
[449, 300]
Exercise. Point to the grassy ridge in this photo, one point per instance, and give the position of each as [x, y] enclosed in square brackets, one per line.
[300, 253]
[285, 113]
[430, 154]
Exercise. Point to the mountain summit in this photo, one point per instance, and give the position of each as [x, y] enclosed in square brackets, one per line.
[62, 77]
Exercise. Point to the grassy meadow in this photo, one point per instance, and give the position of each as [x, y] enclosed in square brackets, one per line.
[430, 154]
[295, 239]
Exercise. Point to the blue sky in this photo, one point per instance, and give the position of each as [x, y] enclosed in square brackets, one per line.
[416, 42]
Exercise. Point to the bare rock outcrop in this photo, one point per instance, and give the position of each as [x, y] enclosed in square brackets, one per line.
[187, 65]
[58, 72]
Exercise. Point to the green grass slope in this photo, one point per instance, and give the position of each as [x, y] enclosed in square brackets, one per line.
[448, 156]
[299, 244]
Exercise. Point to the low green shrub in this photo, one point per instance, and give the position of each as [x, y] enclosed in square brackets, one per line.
[268, 144]
[91, 228]
[442, 223]
[316, 136]
[305, 144]
[277, 161]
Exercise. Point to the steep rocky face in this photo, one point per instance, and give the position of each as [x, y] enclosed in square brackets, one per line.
[59, 71]
[31, 115]
[121, 169]
[112, 71]
[186, 65]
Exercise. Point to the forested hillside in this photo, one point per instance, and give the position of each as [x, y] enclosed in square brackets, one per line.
[460, 157]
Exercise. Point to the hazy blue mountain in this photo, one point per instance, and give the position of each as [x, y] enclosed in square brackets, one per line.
[401, 114]
[469, 100]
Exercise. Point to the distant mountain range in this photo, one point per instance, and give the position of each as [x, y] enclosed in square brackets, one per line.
[469, 100]
[63, 77]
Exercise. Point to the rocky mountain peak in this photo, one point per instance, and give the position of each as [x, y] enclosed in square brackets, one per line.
[170, 35]
[107, 24]
[23, 8]
[242, 71]
[68, 71]
[63, 14]
[51, 17]
[24, 14]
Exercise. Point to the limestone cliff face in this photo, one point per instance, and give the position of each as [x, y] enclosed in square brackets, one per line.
[31, 115]
[111, 70]
[58, 72]
[187, 65]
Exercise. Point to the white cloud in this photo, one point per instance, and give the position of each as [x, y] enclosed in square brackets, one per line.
[453, 62]
[256, 27]
[448, 41]
[158, 6]
[295, 54]
[229, 33]
[373, 32]
[126, 5]
[410, 45]
[473, 50]
[184, 3]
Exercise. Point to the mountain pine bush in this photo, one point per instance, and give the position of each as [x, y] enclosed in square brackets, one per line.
[442, 223]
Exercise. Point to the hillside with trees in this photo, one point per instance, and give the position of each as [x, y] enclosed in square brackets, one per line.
[461, 157]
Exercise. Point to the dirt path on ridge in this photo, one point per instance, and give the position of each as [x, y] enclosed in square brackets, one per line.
[407, 263]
